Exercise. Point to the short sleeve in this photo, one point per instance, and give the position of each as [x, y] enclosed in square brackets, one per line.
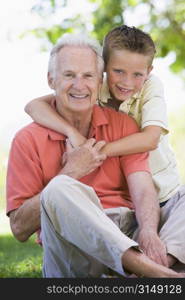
[154, 109]
[24, 174]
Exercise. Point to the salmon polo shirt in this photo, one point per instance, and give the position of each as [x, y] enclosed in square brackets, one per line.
[36, 157]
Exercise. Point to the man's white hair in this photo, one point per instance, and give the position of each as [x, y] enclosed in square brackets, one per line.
[78, 40]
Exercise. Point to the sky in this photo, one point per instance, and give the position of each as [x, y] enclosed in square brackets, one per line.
[24, 68]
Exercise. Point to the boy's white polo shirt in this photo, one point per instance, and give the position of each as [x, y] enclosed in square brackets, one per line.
[148, 107]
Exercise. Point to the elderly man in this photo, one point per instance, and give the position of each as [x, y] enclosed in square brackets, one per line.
[85, 198]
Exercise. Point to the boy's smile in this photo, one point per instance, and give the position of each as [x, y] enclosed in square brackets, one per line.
[126, 73]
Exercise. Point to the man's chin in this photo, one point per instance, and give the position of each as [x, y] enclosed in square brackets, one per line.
[82, 108]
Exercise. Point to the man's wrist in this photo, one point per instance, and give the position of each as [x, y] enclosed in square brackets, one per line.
[69, 173]
[148, 230]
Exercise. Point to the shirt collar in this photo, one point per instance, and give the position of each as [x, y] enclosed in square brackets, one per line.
[98, 119]
[55, 136]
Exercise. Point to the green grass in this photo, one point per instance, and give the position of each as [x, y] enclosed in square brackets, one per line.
[20, 260]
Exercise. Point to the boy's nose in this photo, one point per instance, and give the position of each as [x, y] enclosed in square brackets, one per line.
[127, 80]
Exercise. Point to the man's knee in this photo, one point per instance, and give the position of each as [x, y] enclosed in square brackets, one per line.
[65, 192]
[55, 189]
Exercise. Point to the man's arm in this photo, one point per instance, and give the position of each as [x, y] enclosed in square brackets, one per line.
[80, 161]
[25, 220]
[147, 212]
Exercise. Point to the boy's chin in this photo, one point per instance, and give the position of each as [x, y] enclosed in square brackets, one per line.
[122, 99]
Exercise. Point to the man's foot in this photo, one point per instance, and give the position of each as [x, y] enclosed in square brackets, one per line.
[139, 264]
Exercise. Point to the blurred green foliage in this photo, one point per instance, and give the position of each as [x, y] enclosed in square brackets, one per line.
[164, 20]
[177, 138]
[3, 167]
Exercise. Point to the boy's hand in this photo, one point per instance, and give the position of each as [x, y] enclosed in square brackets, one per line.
[76, 139]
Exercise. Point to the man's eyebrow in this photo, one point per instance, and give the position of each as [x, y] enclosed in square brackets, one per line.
[72, 71]
[90, 72]
[68, 71]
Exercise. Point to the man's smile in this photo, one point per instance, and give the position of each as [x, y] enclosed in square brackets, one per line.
[76, 96]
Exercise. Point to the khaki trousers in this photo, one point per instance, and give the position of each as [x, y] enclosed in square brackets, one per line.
[81, 239]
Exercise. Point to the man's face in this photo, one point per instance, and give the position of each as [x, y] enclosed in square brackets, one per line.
[76, 81]
[126, 73]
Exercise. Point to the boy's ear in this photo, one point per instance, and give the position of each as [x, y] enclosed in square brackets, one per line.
[150, 69]
[51, 81]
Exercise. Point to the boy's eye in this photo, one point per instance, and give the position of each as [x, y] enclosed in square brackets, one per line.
[138, 75]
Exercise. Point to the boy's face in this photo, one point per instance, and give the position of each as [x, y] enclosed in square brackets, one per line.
[126, 73]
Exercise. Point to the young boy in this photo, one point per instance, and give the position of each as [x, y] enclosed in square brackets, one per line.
[128, 87]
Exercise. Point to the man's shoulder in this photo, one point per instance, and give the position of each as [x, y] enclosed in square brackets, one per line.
[33, 129]
[117, 124]
[117, 116]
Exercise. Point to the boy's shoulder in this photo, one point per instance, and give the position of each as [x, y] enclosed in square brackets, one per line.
[153, 81]
[153, 87]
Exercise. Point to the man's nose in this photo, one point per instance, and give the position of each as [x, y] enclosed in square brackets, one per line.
[78, 83]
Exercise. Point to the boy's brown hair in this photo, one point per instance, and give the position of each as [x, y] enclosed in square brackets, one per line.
[128, 38]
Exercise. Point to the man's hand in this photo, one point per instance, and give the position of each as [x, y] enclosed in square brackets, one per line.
[84, 159]
[147, 212]
[152, 246]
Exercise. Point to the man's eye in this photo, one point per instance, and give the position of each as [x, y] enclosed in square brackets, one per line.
[118, 71]
[68, 75]
[88, 75]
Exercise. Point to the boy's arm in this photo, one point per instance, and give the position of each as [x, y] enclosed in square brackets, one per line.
[153, 122]
[41, 111]
[143, 141]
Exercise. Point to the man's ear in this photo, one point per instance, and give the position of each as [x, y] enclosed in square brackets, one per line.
[101, 80]
[99, 90]
[51, 81]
